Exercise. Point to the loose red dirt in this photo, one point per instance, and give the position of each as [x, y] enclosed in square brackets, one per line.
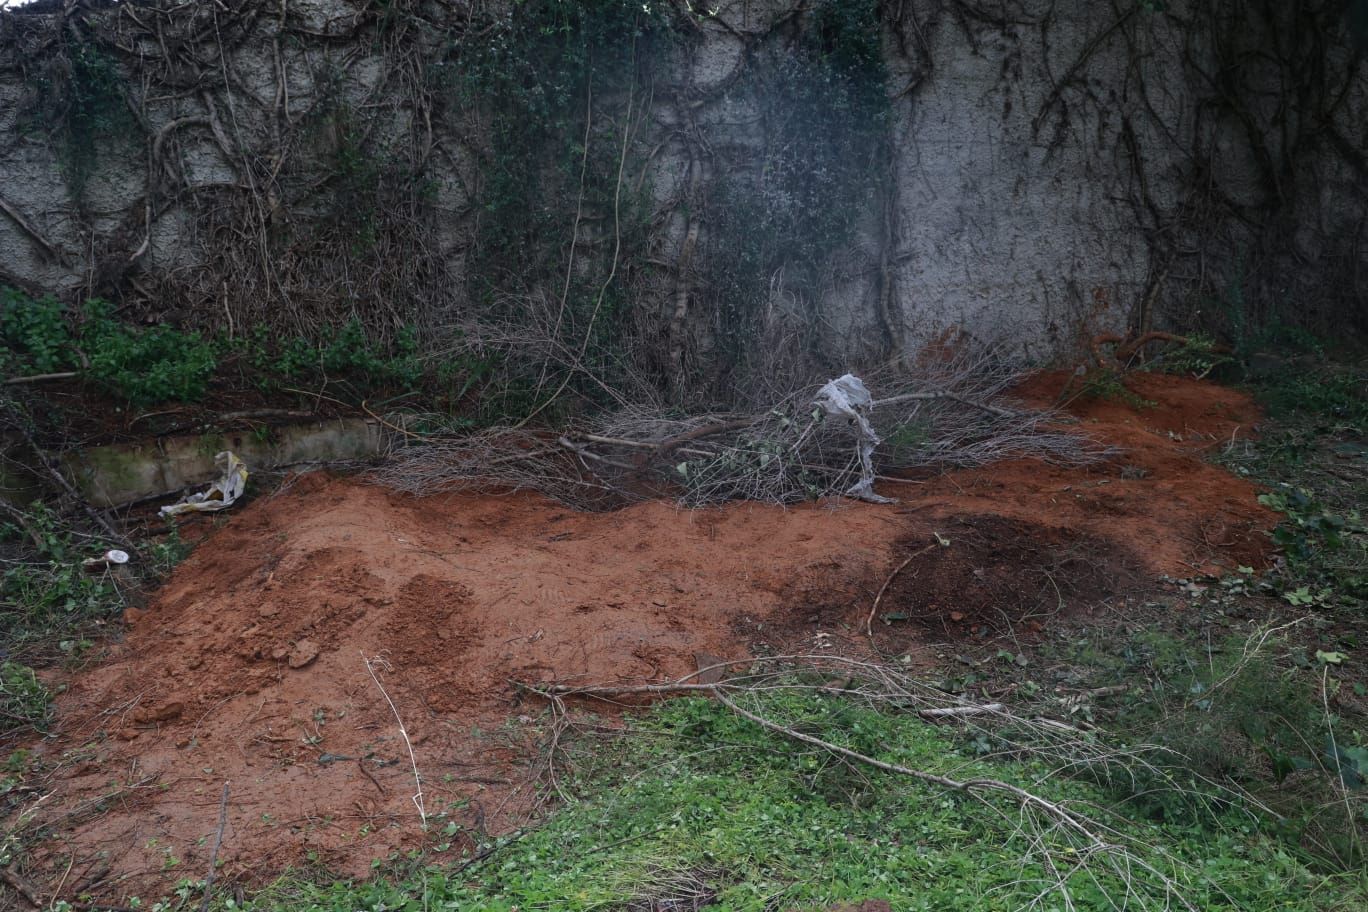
[248, 666]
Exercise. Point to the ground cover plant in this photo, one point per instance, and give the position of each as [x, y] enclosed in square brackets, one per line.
[145, 366]
[556, 247]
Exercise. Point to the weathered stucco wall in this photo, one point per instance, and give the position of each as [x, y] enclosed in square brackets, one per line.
[1055, 168]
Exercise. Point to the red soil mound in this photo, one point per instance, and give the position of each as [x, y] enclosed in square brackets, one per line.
[248, 665]
[1159, 496]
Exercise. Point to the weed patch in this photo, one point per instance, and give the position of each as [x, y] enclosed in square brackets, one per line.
[46, 597]
[24, 700]
[1278, 715]
[147, 366]
[348, 356]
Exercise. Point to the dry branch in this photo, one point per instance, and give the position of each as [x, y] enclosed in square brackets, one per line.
[213, 855]
[952, 414]
[21, 885]
[40, 378]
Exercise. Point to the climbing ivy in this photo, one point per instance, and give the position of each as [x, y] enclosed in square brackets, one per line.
[825, 113]
[533, 80]
[77, 98]
[538, 72]
[541, 68]
[555, 115]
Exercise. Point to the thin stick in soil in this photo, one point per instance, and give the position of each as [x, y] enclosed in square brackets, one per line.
[213, 856]
[874, 609]
[413, 759]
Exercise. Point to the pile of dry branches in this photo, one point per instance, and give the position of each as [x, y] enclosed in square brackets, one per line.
[954, 412]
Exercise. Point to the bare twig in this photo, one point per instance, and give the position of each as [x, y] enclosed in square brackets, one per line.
[957, 712]
[70, 489]
[213, 855]
[22, 886]
[413, 759]
[869, 621]
[781, 451]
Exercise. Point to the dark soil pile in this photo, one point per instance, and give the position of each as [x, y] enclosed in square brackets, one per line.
[1006, 576]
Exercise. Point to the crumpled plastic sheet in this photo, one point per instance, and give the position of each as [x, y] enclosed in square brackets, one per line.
[847, 396]
[220, 495]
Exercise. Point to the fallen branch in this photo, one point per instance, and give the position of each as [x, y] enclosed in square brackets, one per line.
[787, 449]
[1084, 838]
[21, 521]
[70, 489]
[1023, 797]
[955, 712]
[551, 691]
[1126, 347]
[942, 394]
[39, 378]
[620, 690]
[22, 886]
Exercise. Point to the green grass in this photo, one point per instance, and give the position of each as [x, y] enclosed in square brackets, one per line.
[52, 610]
[45, 595]
[1284, 721]
[695, 803]
[48, 606]
[1329, 395]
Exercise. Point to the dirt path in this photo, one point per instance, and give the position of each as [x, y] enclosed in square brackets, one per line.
[248, 667]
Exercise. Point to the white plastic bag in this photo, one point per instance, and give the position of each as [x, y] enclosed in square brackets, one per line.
[848, 397]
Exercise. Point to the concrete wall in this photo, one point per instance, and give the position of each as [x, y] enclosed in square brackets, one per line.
[1061, 167]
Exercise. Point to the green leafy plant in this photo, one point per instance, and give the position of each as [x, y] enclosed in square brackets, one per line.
[167, 552]
[1109, 384]
[35, 332]
[1326, 552]
[1339, 395]
[147, 366]
[78, 98]
[24, 700]
[1241, 717]
[347, 355]
[143, 366]
[1200, 356]
[48, 595]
